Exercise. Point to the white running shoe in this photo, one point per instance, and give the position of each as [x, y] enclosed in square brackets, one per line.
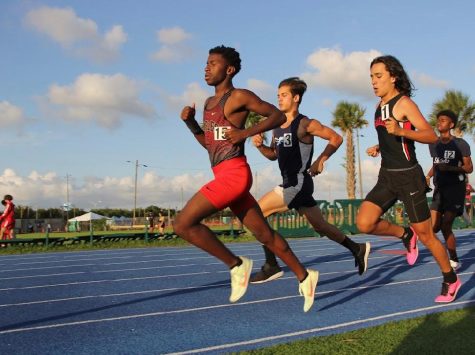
[307, 289]
[455, 264]
[240, 279]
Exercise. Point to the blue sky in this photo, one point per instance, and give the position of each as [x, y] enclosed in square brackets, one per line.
[88, 85]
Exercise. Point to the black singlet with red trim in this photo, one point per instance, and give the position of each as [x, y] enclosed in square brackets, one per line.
[396, 152]
[215, 125]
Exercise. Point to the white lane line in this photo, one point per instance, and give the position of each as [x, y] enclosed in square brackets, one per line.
[226, 284]
[45, 275]
[197, 309]
[152, 277]
[321, 329]
[99, 281]
[114, 295]
[200, 273]
[199, 256]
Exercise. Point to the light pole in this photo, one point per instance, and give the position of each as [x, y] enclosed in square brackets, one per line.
[67, 205]
[135, 186]
[359, 162]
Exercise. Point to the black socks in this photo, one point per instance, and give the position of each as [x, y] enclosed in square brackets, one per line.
[408, 233]
[351, 245]
[306, 275]
[270, 257]
[450, 277]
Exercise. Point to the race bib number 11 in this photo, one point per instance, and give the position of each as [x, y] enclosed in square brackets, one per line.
[385, 112]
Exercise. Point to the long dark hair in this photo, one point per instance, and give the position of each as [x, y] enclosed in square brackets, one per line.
[403, 84]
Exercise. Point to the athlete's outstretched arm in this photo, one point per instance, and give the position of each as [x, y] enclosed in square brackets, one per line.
[316, 129]
[188, 116]
[424, 133]
[245, 100]
[268, 152]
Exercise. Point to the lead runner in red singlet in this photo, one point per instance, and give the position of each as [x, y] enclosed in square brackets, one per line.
[399, 124]
[223, 135]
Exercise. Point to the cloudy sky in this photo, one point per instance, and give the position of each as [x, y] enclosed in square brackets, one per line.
[90, 87]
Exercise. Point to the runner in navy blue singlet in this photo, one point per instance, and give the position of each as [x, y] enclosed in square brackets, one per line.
[451, 163]
[222, 134]
[292, 146]
[399, 124]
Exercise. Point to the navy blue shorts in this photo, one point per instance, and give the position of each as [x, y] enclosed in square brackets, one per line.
[299, 195]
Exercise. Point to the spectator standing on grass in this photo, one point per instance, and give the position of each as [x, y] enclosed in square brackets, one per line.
[7, 218]
[468, 213]
[161, 223]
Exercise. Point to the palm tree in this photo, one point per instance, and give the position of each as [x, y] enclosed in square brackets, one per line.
[252, 119]
[347, 117]
[461, 105]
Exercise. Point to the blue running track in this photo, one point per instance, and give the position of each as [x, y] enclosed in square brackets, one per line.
[175, 300]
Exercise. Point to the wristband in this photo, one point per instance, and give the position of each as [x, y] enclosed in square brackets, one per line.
[193, 126]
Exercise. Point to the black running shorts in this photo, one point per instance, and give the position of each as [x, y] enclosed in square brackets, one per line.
[449, 198]
[406, 185]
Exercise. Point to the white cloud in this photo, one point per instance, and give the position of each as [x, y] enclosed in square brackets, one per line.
[172, 35]
[265, 179]
[77, 35]
[193, 93]
[105, 100]
[263, 89]
[427, 81]
[172, 54]
[174, 47]
[11, 116]
[348, 74]
[49, 190]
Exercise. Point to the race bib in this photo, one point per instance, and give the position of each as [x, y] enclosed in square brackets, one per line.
[219, 132]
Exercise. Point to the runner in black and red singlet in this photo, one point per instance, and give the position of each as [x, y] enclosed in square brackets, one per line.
[292, 146]
[222, 135]
[399, 124]
[451, 163]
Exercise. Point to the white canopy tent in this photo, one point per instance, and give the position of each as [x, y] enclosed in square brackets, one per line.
[87, 217]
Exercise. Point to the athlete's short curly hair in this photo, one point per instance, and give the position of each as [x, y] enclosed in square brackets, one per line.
[8, 197]
[230, 54]
[450, 114]
[297, 86]
[394, 67]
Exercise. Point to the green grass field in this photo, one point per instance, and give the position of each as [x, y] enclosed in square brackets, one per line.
[177, 242]
[448, 333]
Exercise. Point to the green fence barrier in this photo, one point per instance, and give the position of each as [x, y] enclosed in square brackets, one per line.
[342, 213]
